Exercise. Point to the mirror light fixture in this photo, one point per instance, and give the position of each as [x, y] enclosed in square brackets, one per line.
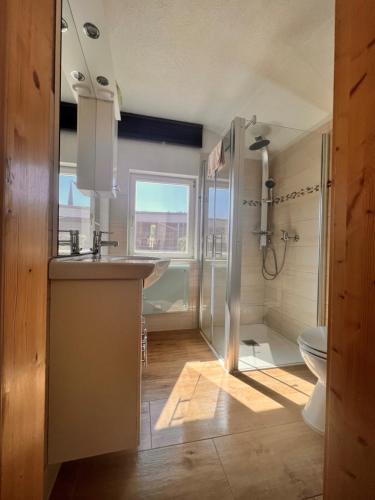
[77, 75]
[91, 30]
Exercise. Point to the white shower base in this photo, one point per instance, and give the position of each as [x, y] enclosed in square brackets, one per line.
[273, 349]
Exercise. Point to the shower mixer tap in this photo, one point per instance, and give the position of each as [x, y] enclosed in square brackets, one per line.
[285, 236]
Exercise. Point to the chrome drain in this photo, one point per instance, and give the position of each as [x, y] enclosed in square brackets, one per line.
[250, 342]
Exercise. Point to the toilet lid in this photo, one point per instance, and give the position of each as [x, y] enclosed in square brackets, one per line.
[314, 339]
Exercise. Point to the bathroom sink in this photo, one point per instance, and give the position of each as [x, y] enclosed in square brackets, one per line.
[128, 267]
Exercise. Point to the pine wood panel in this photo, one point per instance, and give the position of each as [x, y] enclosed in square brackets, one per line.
[350, 440]
[26, 116]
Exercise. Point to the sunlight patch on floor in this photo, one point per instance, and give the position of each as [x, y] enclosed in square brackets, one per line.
[179, 410]
[216, 391]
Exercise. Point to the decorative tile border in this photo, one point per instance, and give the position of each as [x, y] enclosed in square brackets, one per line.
[252, 203]
[285, 197]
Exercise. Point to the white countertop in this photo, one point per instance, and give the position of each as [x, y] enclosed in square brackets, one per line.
[86, 267]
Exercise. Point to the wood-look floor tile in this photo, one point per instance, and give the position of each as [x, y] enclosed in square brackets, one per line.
[158, 384]
[186, 472]
[145, 433]
[298, 377]
[224, 404]
[188, 397]
[174, 363]
[277, 389]
[281, 462]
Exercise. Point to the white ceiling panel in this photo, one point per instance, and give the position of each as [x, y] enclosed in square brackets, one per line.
[207, 61]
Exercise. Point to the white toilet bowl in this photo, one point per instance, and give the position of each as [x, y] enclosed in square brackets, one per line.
[313, 347]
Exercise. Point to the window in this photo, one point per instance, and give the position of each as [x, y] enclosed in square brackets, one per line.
[219, 213]
[74, 211]
[162, 215]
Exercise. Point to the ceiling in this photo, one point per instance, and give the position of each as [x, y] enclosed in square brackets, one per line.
[207, 61]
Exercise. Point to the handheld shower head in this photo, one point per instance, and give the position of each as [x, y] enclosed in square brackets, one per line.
[270, 183]
[259, 143]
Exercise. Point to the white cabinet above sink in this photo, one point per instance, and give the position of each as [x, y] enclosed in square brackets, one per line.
[97, 147]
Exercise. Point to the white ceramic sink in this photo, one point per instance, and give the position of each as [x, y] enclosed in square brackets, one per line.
[85, 267]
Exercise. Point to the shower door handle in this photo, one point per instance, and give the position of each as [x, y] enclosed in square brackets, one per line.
[208, 238]
[220, 238]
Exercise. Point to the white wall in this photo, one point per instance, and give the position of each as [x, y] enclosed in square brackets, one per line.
[140, 155]
[154, 157]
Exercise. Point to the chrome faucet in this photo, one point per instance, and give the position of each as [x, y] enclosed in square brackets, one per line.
[73, 240]
[286, 236]
[98, 243]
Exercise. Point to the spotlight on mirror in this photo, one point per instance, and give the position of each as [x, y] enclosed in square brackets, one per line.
[64, 25]
[91, 30]
[77, 75]
[102, 80]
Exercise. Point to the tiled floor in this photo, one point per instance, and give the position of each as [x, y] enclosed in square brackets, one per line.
[207, 434]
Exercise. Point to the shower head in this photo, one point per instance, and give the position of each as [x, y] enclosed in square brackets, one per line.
[270, 183]
[259, 143]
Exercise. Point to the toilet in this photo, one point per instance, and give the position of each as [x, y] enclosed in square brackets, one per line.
[313, 346]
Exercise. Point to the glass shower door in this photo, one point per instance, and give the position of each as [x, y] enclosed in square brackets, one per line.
[208, 225]
[215, 223]
[221, 251]
[220, 267]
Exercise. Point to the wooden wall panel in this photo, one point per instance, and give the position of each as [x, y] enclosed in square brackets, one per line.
[26, 115]
[350, 439]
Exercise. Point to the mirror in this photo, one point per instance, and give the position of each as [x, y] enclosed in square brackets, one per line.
[90, 109]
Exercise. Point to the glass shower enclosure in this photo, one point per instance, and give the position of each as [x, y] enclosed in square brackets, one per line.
[263, 244]
[221, 251]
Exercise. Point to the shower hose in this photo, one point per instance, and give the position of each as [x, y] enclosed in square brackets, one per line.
[271, 275]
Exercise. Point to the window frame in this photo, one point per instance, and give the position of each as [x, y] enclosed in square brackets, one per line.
[165, 178]
[70, 168]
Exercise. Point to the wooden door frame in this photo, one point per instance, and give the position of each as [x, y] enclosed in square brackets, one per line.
[27, 117]
[348, 470]
[350, 429]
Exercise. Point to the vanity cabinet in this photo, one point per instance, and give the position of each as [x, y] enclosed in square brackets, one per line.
[94, 367]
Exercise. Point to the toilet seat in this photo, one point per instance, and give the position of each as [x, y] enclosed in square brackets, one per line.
[311, 350]
[314, 341]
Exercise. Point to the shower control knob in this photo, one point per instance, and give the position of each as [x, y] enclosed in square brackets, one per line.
[285, 236]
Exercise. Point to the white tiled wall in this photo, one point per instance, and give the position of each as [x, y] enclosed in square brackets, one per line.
[252, 283]
[291, 299]
[287, 304]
